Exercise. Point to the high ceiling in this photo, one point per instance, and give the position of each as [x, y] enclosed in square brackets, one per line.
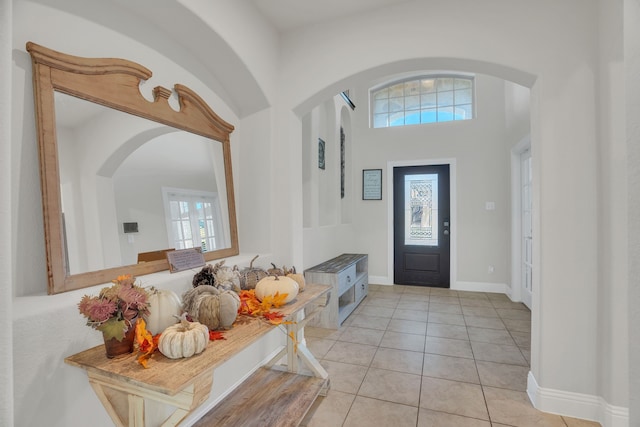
[290, 14]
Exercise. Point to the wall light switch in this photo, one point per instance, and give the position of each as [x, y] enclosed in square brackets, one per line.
[490, 206]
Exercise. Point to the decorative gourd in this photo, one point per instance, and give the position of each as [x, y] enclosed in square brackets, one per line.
[183, 340]
[299, 278]
[165, 309]
[213, 307]
[271, 285]
[275, 271]
[206, 276]
[249, 277]
[227, 279]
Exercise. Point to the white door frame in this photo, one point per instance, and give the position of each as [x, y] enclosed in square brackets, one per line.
[516, 292]
[453, 261]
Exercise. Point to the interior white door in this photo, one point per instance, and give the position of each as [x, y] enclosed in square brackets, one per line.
[526, 233]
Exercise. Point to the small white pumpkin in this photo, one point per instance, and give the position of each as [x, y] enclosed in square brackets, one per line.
[165, 309]
[183, 339]
[299, 278]
[271, 285]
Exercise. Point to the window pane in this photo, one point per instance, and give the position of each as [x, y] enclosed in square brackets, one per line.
[396, 90]
[380, 120]
[428, 85]
[396, 104]
[464, 112]
[412, 117]
[429, 100]
[412, 88]
[429, 115]
[396, 119]
[444, 83]
[412, 102]
[462, 83]
[445, 99]
[381, 94]
[463, 96]
[445, 114]
[381, 106]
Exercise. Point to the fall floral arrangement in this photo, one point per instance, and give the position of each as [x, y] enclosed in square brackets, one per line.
[115, 309]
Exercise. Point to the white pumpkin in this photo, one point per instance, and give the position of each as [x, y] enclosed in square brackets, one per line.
[183, 340]
[270, 285]
[165, 309]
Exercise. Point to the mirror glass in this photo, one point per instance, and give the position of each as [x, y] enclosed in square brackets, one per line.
[125, 178]
[129, 185]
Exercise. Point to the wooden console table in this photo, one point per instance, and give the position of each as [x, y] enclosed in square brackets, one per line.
[123, 386]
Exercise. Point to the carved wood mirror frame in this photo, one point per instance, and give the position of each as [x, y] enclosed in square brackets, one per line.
[113, 83]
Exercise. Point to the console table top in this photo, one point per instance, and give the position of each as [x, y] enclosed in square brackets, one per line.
[337, 264]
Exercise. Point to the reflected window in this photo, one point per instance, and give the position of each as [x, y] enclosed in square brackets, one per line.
[193, 219]
[426, 99]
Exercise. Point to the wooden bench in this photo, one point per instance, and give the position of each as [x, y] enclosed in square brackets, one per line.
[123, 386]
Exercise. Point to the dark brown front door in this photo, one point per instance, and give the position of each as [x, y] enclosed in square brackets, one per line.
[421, 225]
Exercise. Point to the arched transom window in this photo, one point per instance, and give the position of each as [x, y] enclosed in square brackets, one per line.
[426, 99]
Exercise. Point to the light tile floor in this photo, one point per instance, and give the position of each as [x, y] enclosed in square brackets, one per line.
[421, 357]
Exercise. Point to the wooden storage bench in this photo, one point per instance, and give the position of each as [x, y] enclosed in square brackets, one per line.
[123, 386]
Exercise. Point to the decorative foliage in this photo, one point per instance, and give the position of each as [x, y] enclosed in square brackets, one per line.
[250, 305]
[113, 311]
[147, 343]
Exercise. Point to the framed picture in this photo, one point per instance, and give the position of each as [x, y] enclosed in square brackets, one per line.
[320, 153]
[372, 184]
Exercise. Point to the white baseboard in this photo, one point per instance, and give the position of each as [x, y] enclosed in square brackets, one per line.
[380, 280]
[576, 405]
[499, 288]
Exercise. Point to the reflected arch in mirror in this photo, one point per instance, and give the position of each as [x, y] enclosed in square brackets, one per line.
[114, 83]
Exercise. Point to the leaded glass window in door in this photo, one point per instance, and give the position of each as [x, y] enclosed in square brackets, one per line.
[421, 210]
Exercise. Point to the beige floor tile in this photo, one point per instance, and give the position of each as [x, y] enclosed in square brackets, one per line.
[382, 302]
[362, 335]
[344, 377]
[513, 408]
[393, 359]
[428, 418]
[497, 297]
[407, 326]
[417, 290]
[441, 299]
[347, 352]
[371, 322]
[448, 347]
[329, 334]
[509, 313]
[400, 341]
[438, 307]
[330, 410]
[476, 302]
[453, 397]
[488, 352]
[516, 325]
[391, 386]
[386, 295]
[420, 316]
[522, 339]
[413, 305]
[484, 322]
[495, 336]
[473, 295]
[447, 331]
[319, 346]
[377, 311]
[502, 375]
[450, 368]
[444, 292]
[371, 412]
[409, 297]
[508, 304]
[574, 422]
[479, 311]
[446, 318]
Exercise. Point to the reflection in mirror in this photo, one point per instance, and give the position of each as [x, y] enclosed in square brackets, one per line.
[127, 177]
[116, 168]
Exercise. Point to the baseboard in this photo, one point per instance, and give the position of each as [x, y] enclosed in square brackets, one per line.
[380, 280]
[499, 288]
[576, 405]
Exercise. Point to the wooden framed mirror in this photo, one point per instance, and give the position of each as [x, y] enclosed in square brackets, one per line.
[119, 139]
